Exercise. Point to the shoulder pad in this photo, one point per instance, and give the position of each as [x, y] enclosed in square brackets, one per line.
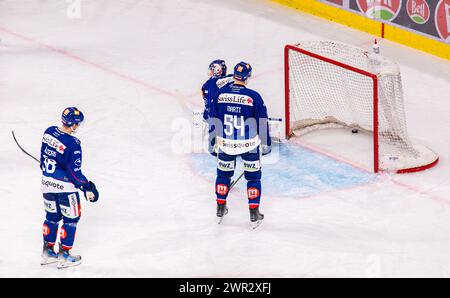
[222, 82]
[50, 129]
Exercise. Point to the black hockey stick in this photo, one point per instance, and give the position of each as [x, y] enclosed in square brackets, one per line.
[23, 150]
[233, 183]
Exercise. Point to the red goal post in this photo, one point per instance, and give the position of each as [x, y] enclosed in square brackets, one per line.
[361, 71]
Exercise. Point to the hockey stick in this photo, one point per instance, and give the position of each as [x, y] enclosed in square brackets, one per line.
[233, 183]
[23, 150]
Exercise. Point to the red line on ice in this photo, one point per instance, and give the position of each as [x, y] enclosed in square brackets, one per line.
[436, 198]
[92, 64]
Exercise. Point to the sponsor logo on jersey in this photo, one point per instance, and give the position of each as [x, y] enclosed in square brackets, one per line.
[74, 206]
[236, 145]
[50, 206]
[78, 162]
[71, 211]
[252, 166]
[442, 19]
[385, 10]
[253, 193]
[54, 143]
[49, 183]
[49, 152]
[418, 11]
[235, 99]
[222, 189]
[225, 166]
[52, 185]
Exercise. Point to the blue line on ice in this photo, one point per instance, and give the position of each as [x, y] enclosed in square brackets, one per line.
[297, 172]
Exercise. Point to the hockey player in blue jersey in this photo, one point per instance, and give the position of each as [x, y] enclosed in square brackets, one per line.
[61, 160]
[218, 78]
[240, 129]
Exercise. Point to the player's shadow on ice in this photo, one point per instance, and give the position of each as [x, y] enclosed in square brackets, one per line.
[296, 172]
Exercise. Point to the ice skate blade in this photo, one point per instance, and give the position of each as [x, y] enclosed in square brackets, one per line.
[220, 219]
[48, 261]
[256, 224]
[62, 265]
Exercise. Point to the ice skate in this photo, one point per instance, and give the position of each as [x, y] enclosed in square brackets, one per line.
[256, 217]
[49, 256]
[66, 259]
[222, 210]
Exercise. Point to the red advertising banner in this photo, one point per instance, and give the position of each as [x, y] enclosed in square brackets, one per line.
[425, 17]
[418, 11]
[442, 19]
[380, 9]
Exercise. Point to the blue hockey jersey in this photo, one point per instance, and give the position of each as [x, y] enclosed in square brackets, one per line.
[242, 119]
[61, 160]
[210, 88]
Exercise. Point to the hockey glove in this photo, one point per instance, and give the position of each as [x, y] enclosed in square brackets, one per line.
[90, 192]
[266, 149]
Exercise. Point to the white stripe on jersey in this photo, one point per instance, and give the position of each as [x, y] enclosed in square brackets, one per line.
[51, 185]
[235, 147]
[239, 99]
[54, 143]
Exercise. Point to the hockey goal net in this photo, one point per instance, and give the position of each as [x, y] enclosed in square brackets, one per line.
[330, 84]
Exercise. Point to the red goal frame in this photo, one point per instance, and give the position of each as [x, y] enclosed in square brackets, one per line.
[374, 78]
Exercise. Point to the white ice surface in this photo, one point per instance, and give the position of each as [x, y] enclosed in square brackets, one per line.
[134, 67]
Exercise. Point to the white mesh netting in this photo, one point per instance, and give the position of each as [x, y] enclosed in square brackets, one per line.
[324, 95]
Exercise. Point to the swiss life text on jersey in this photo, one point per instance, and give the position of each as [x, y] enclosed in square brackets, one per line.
[240, 119]
[210, 88]
[61, 160]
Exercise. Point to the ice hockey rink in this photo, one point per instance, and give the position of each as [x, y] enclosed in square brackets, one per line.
[135, 69]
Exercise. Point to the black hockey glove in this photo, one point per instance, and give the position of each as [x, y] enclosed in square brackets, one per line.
[90, 192]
